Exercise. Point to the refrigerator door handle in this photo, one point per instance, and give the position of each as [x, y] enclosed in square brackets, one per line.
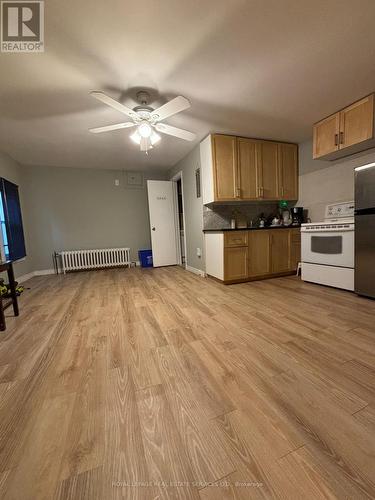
[365, 211]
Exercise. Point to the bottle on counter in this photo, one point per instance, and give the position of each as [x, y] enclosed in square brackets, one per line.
[233, 223]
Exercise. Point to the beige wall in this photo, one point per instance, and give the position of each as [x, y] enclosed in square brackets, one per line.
[12, 171]
[323, 182]
[193, 208]
[81, 209]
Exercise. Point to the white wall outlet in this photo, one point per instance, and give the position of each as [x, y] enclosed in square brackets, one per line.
[117, 182]
[199, 252]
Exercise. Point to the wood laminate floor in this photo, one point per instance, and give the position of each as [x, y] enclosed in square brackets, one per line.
[153, 384]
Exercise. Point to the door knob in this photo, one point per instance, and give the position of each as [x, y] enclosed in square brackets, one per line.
[153, 229]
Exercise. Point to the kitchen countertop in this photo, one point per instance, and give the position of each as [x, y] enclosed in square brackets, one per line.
[248, 229]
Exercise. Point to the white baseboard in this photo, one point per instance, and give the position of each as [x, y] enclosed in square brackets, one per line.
[43, 272]
[26, 277]
[195, 271]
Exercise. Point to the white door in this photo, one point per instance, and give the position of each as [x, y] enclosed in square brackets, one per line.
[162, 207]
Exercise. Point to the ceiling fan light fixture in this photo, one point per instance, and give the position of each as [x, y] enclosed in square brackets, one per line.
[145, 144]
[145, 130]
[135, 137]
[155, 138]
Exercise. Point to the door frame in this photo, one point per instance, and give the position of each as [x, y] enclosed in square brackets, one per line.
[179, 176]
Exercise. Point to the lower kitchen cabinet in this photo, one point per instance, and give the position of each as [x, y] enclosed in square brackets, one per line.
[280, 251]
[237, 256]
[236, 263]
[259, 253]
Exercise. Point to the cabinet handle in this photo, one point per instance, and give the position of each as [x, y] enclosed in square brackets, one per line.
[238, 192]
[341, 137]
[336, 139]
[262, 191]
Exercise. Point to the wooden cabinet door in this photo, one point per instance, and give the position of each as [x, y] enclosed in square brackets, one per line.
[288, 171]
[235, 263]
[326, 136]
[224, 152]
[295, 248]
[357, 122]
[269, 189]
[248, 173]
[280, 251]
[259, 253]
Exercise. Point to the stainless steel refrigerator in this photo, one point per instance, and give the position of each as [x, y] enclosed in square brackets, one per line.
[365, 230]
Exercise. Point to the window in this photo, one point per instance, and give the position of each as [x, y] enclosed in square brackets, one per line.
[4, 236]
[11, 234]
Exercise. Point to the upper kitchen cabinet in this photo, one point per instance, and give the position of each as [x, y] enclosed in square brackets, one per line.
[241, 169]
[268, 171]
[288, 171]
[248, 168]
[219, 168]
[326, 136]
[357, 122]
[346, 132]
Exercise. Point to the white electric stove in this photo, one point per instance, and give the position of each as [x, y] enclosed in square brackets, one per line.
[327, 251]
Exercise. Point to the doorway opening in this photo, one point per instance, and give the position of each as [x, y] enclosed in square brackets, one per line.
[181, 229]
[180, 205]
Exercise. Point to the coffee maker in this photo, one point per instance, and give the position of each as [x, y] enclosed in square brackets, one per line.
[297, 215]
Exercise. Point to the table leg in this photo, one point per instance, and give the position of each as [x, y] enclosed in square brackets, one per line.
[2, 316]
[13, 293]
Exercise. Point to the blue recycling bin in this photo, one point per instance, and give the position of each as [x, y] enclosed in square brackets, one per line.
[145, 258]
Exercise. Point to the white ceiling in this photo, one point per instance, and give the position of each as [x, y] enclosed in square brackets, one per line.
[258, 68]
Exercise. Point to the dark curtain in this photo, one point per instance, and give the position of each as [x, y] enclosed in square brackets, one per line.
[13, 219]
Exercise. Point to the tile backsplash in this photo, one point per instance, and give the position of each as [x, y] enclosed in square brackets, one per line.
[219, 216]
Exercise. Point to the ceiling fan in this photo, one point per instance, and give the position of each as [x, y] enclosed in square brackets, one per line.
[146, 119]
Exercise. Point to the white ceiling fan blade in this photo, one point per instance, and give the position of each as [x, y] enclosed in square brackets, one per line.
[176, 132]
[101, 96]
[170, 108]
[108, 128]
